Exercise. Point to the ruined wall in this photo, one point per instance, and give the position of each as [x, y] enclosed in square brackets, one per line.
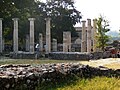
[13, 77]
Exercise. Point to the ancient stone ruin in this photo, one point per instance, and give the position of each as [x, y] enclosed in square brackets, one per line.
[12, 77]
[84, 43]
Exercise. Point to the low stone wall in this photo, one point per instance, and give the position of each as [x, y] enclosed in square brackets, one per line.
[25, 55]
[98, 55]
[69, 56]
[13, 77]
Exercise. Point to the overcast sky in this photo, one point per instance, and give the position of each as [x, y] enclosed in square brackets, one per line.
[94, 8]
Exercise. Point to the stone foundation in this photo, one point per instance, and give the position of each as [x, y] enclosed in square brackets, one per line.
[27, 77]
[69, 56]
[25, 55]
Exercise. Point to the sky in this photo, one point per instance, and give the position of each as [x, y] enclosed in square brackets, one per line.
[94, 8]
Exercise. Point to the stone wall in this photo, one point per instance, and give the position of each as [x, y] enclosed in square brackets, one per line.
[25, 55]
[69, 56]
[27, 77]
[98, 55]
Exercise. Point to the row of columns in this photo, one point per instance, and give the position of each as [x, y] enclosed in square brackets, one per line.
[87, 35]
[15, 35]
[29, 39]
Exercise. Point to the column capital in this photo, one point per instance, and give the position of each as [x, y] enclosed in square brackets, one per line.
[31, 19]
[40, 34]
[54, 39]
[83, 21]
[48, 18]
[15, 19]
[94, 19]
[88, 19]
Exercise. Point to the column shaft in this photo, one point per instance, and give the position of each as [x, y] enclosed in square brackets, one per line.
[15, 35]
[94, 35]
[41, 42]
[31, 34]
[89, 35]
[0, 35]
[83, 44]
[48, 36]
[69, 41]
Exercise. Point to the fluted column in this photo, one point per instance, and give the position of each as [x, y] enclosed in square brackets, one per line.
[32, 34]
[15, 35]
[83, 44]
[48, 36]
[41, 42]
[1, 35]
[89, 35]
[94, 34]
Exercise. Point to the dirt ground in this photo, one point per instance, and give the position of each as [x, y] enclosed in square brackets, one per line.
[113, 63]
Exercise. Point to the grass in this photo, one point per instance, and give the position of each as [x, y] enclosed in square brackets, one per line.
[72, 83]
[32, 61]
[97, 83]
[3, 61]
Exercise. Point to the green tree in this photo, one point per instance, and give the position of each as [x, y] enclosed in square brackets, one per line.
[63, 16]
[22, 9]
[102, 29]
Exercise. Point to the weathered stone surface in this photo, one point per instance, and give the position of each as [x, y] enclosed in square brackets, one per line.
[98, 55]
[27, 76]
[25, 55]
[69, 55]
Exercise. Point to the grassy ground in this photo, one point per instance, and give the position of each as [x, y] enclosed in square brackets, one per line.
[113, 65]
[97, 83]
[32, 61]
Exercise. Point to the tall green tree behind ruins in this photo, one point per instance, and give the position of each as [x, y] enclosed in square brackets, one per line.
[102, 29]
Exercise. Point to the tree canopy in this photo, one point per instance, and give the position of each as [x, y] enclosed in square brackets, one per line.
[102, 29]
[63, 16]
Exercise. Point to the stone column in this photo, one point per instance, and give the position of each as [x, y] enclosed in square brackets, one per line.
[3, 44]
[32, 34]
[94, 34]
[83, 44]
[27, 43]
[15, 35]
[48, 36]
[65, 45]
[89, 36]
[0, 35]
[41, 42]
[54, 45]
[67, 41]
